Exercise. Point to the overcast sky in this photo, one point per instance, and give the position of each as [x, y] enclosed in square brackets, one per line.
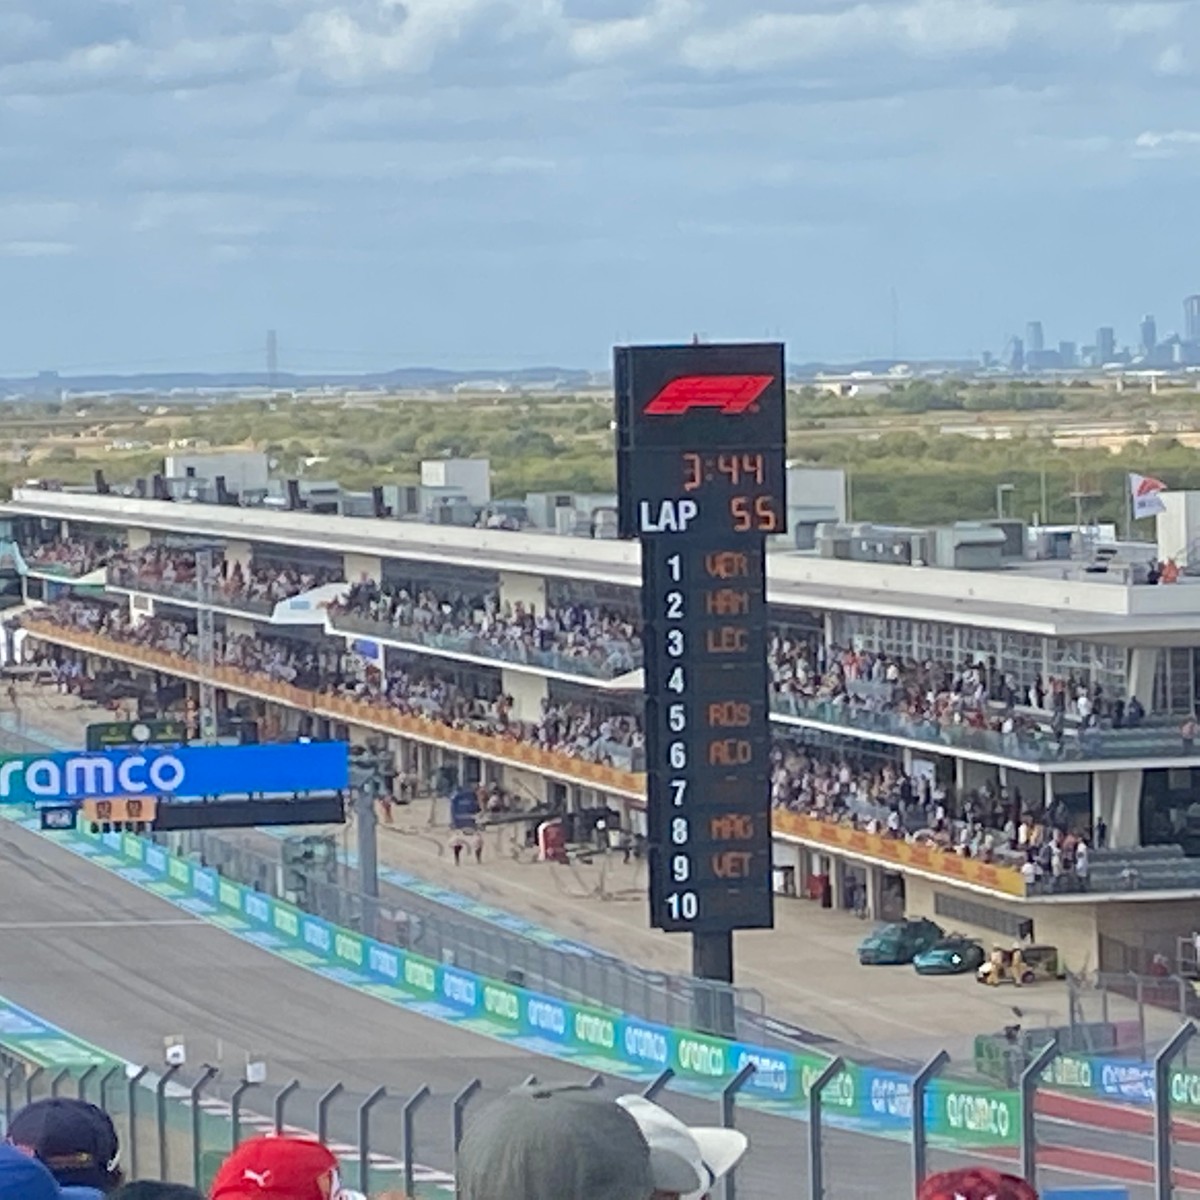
[508, 182]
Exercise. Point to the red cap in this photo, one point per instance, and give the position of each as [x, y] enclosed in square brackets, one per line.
[278, 1168]
[975, 1184]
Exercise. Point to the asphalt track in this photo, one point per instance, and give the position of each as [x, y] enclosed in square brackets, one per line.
[124, 969]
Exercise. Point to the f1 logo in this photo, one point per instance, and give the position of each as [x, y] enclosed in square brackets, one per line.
[731, 394]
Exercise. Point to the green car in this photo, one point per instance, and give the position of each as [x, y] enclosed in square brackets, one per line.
[898, 943]
[953, 955]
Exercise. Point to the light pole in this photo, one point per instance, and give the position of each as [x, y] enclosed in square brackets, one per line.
[1001, 488]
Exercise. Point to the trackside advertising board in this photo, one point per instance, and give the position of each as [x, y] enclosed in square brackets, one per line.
[875, 1100]
[181, 771]
[603, 1039]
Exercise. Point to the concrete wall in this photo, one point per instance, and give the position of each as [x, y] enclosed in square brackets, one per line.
[527, 691]
[238, 551]
[519, 588]
[358, 567]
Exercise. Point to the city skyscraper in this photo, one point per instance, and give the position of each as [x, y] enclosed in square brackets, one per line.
[1014, 354]
[1067, 354]
[1191, 319]
[1035, 340]
[1106, 344]
[1149, 334]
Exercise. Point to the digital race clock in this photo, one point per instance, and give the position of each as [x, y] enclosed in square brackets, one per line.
[701, 481]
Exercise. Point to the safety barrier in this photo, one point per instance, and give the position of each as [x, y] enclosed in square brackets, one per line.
[964, 1114]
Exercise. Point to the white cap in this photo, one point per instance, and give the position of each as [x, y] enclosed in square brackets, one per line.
[708, 1152]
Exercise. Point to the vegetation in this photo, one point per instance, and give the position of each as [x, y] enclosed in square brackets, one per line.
[917, 451]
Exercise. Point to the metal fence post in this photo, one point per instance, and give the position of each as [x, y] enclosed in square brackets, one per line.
[410, 1111]
[1030, 1078]
[9, 1072]
[729, 1097]
[197, 1087]
[816, 1165]
[323, 1104]
[81, 1087]
[105, 1080]
[458, 1108]
[364, 1138]
[1163, 1183]
[656, 1085]
[57, 1082]
[132, 1084]
[281, 1099]
[920, 1148]
[235, 1112]
[29, 1081]
[160, 1115]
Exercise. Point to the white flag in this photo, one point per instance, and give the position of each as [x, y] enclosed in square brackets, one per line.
[1144, 492]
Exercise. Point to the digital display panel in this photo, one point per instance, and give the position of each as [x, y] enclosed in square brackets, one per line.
[701, 477]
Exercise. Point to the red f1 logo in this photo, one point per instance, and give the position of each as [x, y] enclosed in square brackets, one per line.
[732, 394]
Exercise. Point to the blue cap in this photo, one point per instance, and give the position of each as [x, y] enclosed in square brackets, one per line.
[22, 1177]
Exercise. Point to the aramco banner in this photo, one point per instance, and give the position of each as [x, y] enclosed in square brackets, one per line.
[185, 772]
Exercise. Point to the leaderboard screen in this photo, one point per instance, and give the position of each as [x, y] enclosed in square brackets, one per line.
[701, 480]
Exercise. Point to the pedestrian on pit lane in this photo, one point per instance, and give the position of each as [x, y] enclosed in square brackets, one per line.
[281, 1168]
[22, 1177]
[75, 1140]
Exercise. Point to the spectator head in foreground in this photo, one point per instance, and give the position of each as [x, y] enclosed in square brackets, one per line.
[281, 1168]
[558, 1143]
[22, 1177]
[975, 1184]
[75, 1140]
[151, 1189]
[709, 1153]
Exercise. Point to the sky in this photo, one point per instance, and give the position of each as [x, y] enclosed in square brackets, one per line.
[498, 183]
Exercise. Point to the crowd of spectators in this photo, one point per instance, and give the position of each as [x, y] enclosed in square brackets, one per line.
[606, 640]
[930, 695]
[1049, 847]
[578, 729]
[535, 1142]
[71, 556]
[260, 583]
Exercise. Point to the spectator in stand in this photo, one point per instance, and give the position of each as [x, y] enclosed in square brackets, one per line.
[22, 1177]
[75, 556]
[281, 1168]
[975, 1183]
[76, 1141]
[562, 1143]
[608, 640]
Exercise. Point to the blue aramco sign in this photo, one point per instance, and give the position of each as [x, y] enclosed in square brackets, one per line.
[181, 771]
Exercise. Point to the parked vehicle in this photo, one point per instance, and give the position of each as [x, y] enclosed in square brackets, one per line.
[953, 955]
[899, 942]
[1020, 965]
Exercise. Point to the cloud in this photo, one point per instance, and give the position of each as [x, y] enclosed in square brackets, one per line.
[285, 147]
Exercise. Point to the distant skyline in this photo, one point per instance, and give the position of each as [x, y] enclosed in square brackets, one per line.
[504, 183]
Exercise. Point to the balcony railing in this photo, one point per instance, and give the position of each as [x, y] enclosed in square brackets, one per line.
[606, 661]
[1036, 746]
[622, 774]
[920, 856]
[133, 580]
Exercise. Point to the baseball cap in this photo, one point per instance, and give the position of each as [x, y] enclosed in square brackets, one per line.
[23, 1177]
[704, 1153]
[75, 1139]
[280, 1168]
[555, 1143]
[975, 1183]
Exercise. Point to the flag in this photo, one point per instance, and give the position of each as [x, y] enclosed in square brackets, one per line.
[1143, 490]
